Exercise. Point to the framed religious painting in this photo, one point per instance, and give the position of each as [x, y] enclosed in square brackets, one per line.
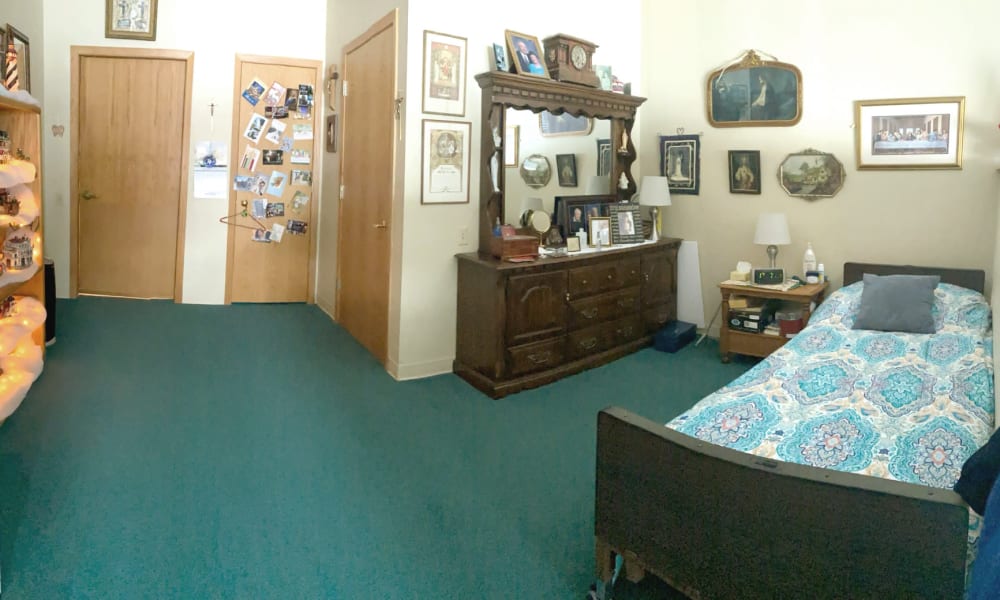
[811, 174]
[680, 162]
[754, 92]
[744, 171]
[445, 162]
[909, 133]
[130, 19]
[444, 74]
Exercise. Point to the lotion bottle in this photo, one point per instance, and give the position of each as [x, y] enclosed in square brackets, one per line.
[808, 260]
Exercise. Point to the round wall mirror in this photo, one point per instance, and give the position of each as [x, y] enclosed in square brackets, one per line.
[536, 171]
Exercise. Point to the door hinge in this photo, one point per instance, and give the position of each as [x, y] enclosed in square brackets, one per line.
[341, 191]
[344, 88]
[399, 106]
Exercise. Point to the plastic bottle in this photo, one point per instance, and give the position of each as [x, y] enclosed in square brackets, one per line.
[822, 272]
[808, 260]
[496, 228]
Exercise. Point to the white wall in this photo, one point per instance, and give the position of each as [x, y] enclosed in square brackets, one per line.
[430, 235]
[216, 32]
[26, 17]
[846, 52]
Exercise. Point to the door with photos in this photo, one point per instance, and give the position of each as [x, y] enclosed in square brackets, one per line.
[272, 207]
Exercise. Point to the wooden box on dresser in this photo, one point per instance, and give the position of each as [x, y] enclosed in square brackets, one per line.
[522, 325]
[22, 321]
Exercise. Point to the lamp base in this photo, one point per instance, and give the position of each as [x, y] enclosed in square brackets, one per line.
[772, 253]
[655, 213]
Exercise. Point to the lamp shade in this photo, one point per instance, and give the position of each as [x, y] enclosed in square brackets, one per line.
[772, 229]
[654, 191]
[597, 185]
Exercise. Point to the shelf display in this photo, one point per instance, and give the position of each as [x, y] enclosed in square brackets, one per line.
[22, 285]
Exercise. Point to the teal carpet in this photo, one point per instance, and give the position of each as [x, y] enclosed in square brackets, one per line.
[256, 451]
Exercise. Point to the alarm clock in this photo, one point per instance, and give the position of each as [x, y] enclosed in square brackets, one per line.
[571, 59]
[768, 276]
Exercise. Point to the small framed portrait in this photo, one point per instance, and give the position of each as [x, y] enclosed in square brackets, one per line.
[744, 171]
[566, 166]
[680, 162]
[130, 19]
[626, 224]
[571, 213]
[499, 56]
[573, 244]
[444, 74]
[526, 54]
[909, 133]
[599, 231]
[811, 174]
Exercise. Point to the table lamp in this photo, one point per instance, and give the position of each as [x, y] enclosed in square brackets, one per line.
[654, 193]
[772, 229]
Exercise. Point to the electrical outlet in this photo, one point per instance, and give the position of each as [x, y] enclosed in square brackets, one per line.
[463, 236]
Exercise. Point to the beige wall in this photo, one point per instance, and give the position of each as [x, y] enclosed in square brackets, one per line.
[846, 51]
[26, 17]
[216, 32]
[430, 236]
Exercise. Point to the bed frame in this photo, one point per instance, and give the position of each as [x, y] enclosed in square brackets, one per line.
[718, 523]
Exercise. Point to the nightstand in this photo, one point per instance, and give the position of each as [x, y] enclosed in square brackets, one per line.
[762, 344]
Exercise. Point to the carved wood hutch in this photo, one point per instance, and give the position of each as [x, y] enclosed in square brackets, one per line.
[522, 325]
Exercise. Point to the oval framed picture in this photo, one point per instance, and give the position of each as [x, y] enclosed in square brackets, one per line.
[811, 174]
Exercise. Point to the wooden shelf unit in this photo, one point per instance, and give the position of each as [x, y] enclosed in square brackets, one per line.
[762, 344]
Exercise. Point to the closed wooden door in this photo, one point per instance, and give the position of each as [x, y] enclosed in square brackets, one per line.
[131, 114]
[275, 271]
[369, 126]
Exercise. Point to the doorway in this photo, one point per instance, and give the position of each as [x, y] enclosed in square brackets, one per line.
[367, 170]
[130, 122]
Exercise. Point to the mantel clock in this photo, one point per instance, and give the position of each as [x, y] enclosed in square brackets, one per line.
[570, 59]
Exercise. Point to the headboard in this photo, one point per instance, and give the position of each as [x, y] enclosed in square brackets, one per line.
[972, 279]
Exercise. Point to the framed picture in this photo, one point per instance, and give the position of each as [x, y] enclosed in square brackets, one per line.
[566, 167]
[811, 174]
[130, 19]
[604, 157]
[572, 212]
[444, 175]
[536, 171]
[599, 231]
[499, 57]
[444, 74]
[753, 93]
[744, 171]
[909, 133]
[331, 133]
[573, 244]
[10, 35]
[604, 76]
[626, 224]
[512, 138]
[552, 125]
[680, 162]
[526, 54]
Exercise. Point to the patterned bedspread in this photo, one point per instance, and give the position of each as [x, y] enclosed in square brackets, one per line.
[909, 407]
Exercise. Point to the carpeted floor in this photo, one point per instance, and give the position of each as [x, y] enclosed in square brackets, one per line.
[256, 451]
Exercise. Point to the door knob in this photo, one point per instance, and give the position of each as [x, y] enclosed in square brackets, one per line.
[88, 195]
[380, 225]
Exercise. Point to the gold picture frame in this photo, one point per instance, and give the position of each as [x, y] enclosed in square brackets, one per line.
[909, 133]
[520, 47]
[130, 19]
[754, 92]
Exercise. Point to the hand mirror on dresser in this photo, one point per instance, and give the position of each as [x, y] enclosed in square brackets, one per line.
[524, 324]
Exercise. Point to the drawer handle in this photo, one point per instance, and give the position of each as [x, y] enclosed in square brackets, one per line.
[662, 318]
[541, 358]
[583, 282]
[626, 332]
[611, 276]
[588, 343]
[645, 276]
[589, 313]
[567, 296]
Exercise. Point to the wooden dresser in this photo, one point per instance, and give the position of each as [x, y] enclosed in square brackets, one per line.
[522, 325]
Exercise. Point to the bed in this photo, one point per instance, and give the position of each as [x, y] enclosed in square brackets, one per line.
[719, 522]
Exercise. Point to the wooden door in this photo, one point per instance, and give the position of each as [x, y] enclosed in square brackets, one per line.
[275, 271]
[131, 117]
[369, 125]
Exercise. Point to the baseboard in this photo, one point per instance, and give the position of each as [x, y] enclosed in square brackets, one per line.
[418, 370]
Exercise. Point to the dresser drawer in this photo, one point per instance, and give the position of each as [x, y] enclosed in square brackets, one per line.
[536, 357]
[603, 337]
[626, 330]
[598, 309]
[654, 318]
[603, 277]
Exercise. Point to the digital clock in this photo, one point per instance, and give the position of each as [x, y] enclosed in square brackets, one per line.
[768, 276]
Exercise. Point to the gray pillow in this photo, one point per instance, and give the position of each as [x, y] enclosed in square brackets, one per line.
[897, 303]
